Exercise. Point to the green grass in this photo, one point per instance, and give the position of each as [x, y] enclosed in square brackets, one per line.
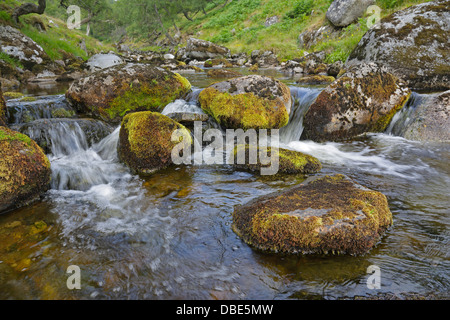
[57, 42]
[10, 60]
[240, 26]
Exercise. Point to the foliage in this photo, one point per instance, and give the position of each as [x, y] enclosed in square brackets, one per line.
[303, 7]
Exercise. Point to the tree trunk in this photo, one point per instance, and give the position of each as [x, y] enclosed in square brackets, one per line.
[186, 15]
[28, 8]
[162, 25]
[85, 20]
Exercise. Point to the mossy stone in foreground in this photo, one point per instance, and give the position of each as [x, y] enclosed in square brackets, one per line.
[329, 214]
[113, 92]
[24, 170]
[250, 102]
[289, 161]
[145, 141]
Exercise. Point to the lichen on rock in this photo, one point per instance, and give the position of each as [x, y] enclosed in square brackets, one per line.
[145, 141]
[328, 214]
[250, 102]
[289, 161]
[111, 93]
[413, 44]
[24, 170]
[364, 99]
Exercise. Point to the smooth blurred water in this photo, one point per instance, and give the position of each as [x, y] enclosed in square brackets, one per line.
[169, 236]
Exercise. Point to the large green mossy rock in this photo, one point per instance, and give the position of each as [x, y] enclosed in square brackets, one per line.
[329, 214]
[24, 170]
[250, 102]
[289, 161]
[145, 141]
[364, 99]
[111, 93]
[413, 43]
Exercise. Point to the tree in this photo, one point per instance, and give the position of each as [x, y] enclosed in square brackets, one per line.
[28, 8]
[93, 8]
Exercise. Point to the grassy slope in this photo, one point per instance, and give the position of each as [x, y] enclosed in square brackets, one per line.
[56, 41]
[247, 18]
[239, 26]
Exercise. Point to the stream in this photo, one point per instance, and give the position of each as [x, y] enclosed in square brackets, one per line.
[169, 236]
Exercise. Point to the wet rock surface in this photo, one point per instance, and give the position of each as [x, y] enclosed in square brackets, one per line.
[24, 170]
[248, 102]
[364, 99]
[145, 142]
[111, 93]
[329, 214]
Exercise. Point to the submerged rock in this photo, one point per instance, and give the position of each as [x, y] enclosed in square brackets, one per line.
[250, 102]
[221, 73]
[364, 99]
[218, 62]
[315, 80]
[341, 13]
[413, 43]
[111, 93]
[24, 170]
[145, 141]
[289, 161]
[329, 214]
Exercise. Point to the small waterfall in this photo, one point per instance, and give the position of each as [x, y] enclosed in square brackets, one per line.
[64, 136]
[192, 97]
[404, 117]
[302, 99]
[182, 106]
[45, 107]
[79, 168]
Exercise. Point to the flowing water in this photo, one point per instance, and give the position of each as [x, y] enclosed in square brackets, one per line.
[169, 236]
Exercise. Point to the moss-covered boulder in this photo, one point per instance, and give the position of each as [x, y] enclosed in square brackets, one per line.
[315, 80]
[250, 102]
[2, 108]
[413, 43]
[364, 99]
[329, 214]
[289, 161]
[111, 93]
[145, 141]
[24, 170]
[218, 62]
[222, 73]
